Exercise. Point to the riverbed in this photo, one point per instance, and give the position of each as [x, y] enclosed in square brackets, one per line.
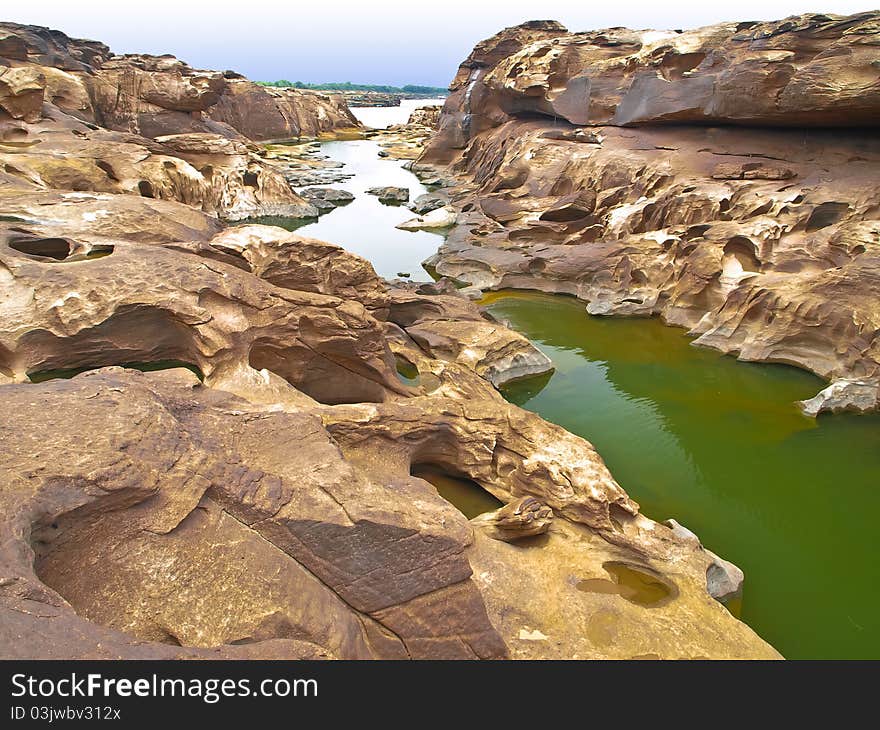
[717, 444]
[365, 226]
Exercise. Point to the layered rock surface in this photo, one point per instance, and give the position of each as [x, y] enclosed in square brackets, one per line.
[590, 166]
[75, 117]
[267, 507]
[230, 471]
[156, 95]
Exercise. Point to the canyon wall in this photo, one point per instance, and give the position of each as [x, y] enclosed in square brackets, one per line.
[723, 178]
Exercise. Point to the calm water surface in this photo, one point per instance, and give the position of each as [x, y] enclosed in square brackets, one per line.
[367, 227]
[718, 445]
[380, 117]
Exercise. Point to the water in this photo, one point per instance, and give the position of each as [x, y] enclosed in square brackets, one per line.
[381, 117]
[468, 496]
[367, 227]
[720, 446]
[635, 584]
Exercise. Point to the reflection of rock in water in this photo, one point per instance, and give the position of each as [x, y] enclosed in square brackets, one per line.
[636, 584]
[467, 496]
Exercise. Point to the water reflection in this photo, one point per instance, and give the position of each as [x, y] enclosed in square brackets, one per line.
[380, 117]
[367, 227]
[720, 446]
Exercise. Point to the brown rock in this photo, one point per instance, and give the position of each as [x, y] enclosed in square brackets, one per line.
[524, 517]
[760, 241]
[21, 92]
[257, 498]
[807, 70]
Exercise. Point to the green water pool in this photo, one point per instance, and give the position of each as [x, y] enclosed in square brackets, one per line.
[721, 446]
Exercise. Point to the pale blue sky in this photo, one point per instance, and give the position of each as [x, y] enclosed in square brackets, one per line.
[374, 41]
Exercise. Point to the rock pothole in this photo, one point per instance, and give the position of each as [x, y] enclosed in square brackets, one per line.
[464, 494]
[633, 583]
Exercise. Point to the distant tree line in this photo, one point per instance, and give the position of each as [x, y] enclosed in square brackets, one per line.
[348, 86]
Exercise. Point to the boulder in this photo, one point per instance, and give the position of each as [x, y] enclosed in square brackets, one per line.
[325, 199]
[390, 194]
[426, 202]
[438, 218]
[521, 518]
[845, 395]
[450, 327]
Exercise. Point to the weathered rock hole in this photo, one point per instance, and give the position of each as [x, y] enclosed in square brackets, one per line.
[565, 214]
[5, 362]
[145, 188]
[126, 567]
[49, 248]
[58, 542]
[536, 266]
[96, 252]
[315, 375]
[674, 65]
[633, 583]
[739, 257]
[826, 214]
[695, 232]
[41, 376]
[406, 371]
[761, 209]
[251, 179]
[618, 517]
[464, 494]
[108, 170]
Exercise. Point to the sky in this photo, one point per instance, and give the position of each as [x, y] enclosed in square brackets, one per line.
[372, 41]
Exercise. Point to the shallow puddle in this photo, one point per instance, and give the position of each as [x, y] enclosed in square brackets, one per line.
[468, 496]
[407, 372]
[636, 585]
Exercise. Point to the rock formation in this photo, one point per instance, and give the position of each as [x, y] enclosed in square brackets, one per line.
[210, 433]
[426, 116]
[407, 141]
[157, 95]
[75, 117]
[389, 194]
[723, 178]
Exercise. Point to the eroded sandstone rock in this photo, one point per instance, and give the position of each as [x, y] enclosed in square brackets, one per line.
[521, 518]
[807, 70]
[174, 133]
[390, 194]
[256, 498]
[761, 241]
[450, 327]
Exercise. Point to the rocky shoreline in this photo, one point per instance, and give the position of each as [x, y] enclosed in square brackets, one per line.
[234, 474]
[724, 179]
